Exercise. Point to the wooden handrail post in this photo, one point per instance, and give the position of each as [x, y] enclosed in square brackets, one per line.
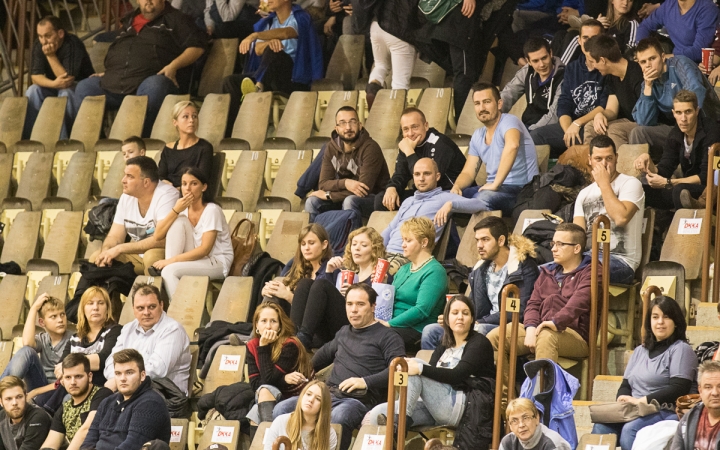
[402, 383]
[599, 236]
[21, 46]
[284, 440]
[512, 293]
[707, 232]
[653, 291]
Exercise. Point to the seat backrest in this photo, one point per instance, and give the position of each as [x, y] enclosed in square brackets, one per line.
[391, 155]
[337, 101]
[518, 109]
[257, 442]
[346, 59]
[213, 114]
[293, 165]
[435, 104]
[383, 122]
[227, 367]
[527, 217]
[543, 157]
[88, 122]
[676, 245]
[297, 121]
[54, 286]
[467, 251]
[49, 122]
[627, 154]
[434, 74]
[226, 432]
[6, 166]
[283, 241]
[233, 302]
[75, 183]
[252, 120]
[188, 303]
[365, 430]
[178, 434]
[12, 297]
[605, 440]
[468, 122]
[247, 181]
[35, 180]
[163, 128]
[112, 186]
[130, 117]
[220, 64]
[509, 72]
[647, 238]
[22, 240]
[61, 244]
[379, 220]
[12, 119]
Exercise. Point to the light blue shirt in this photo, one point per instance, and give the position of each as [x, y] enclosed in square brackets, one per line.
[289, 45]
[525, 166]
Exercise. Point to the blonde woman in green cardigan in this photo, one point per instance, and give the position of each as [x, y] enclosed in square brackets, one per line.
[420, 285]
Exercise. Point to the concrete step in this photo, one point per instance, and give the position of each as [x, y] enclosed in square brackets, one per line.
[605, 388]
[697, 334]
[707, 315]
[582, 414]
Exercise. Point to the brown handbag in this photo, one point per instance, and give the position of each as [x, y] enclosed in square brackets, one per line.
[685, 403]
[622, 412]
[244, 245]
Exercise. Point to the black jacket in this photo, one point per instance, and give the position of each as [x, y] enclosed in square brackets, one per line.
[401, 18]
[706, 135]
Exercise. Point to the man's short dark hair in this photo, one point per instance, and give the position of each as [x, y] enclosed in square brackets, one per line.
[482, 85]
[686, 96]
[648, 43]
[592, 23]
[129, 355]
[347, 109]
[144, 289]
[603, 46]
[52, 20]
[576, 231]
[135, 140]
[74, 360]
[496, 226]
[148, 167]
[372, 295]
[602, 141]
[412, 109]
[535, 44]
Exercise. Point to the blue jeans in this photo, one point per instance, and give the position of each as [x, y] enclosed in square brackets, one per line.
[432, 334]
[626, 432]
[156, 87]
[363, 205]
[620, 272]
[25, 364]
[502, 199]
[36, 96]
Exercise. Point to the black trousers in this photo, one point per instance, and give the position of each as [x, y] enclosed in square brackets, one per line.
[670, 198]
[318, 309]
[411, 338]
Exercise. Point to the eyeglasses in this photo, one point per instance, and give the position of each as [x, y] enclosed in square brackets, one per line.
[344, 124]
[525, 419]
[560, 244]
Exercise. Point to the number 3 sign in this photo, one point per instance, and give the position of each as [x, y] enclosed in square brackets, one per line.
[401, 379]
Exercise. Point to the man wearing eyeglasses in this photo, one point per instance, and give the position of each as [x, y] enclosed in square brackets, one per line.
[353, 169]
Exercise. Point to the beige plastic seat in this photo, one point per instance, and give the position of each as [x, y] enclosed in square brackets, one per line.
[391, 155]
[34, 184]
[379, 220]
[22, 239]
[163, 130]
[47, 127]
[6, 166]
[97, 53]
[245, 185]
[74, 189]
[227, 367]
[468, 121]
[12, 120]
[365, 430]
[434, 74]
[527, 217]
[595, 441]
[467, 251]
[128, 122]
[296, 123]
[435, 104]
[55, 286]
[344, 66]
[337, 100]
[508, 73]
[87, 127]
[178, 434]
[220, 64]
[283, 240]
[12, 295]
[627, 154]
[383, 122]
[518, 109]
[233, 302]
[214, 112]
[282, 195]
[61, 244]
[225, 432]
[543, 157]
[252, 121]
[188, 303]
[112, 186]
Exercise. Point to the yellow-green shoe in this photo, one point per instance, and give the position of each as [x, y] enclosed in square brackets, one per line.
[247, 86]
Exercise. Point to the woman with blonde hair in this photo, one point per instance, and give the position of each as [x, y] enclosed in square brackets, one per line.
[189, 150]
[278, 365]
[308, 427]
[527, 432]
[318, 308]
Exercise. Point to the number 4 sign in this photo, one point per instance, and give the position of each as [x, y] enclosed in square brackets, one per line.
[512, 305]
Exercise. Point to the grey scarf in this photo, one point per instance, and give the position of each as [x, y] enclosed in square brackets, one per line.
[534, 439]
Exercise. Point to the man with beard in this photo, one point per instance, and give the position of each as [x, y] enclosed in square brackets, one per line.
[23, 426]
[353, 169]
[72, 420]
[506, 148]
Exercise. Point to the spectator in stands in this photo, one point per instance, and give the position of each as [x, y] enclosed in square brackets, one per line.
[189, 150]
[504, 259]
[144, 202]
[419, 141]
[278, 366]
[230, 19]
[59, 61]
[22, 424]
[420, 286]
[557, 315]
[526, 430]
[540, 81]
[132, 147]
[196, 235]
[310, 261]
[152, 56]
[353, 169]
[318, 306]
[506, 148]
[159, 339]
[697, 428]
[664, 76]
[546, 12]
[690, 25]
[623, 78]
[663, 368]
[72, 420]
[435, 395]
[430, 201]
[37, 362]
[308, 427]
[621, 23]
[619, 197]
[360, 354]
[686, 146]
[583, 96]
[135, 414]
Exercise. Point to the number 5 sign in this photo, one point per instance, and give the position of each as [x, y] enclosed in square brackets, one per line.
[603, 235]
[512, 305]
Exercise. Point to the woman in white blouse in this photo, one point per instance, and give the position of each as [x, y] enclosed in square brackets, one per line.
[197, 239]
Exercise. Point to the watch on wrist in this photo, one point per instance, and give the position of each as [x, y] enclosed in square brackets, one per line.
[327, 195]
[669, 184]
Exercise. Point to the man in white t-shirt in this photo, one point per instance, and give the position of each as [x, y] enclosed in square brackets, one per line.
[144, 202]
[622, 199]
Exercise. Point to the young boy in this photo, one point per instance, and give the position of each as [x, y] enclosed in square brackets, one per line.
[132, 147]
[38, 362]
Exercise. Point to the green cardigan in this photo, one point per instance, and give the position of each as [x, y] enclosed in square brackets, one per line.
[419, 296]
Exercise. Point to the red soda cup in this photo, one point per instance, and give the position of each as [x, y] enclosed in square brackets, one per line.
[707, 59]
[381, 269]
[346, 277]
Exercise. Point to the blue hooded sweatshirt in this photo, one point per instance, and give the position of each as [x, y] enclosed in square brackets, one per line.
[582, 90]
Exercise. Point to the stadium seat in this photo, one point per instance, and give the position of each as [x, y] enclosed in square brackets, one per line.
[33, 184]
[296, 123]
[6, 165]
[55, 286]
[12, 119]
[596, 441]
[188, 303]
[163, 130]
[214, 112]
[391, 155]
[627, 154]
[220, 63]
[526, 218]
[508, 73]
[74, 188]
[257, 442]
[244, 187]
[468, 121]
[12, 295]
[61, 244]
[383, 122]
[6, 352]
[225, 432]
[441, 245]
[46, 130]
[128, 122]
[215, 182]
[379, 220]
[227, 367]
[253, 217]
[87, 127]
[373, 430]
[467, 251]
[178, 434]
[112, 184]
[22, 239]
[252, 121]
[282, 194]
[233, 302]
[337, 100]
[344, 66]
[435, 104]
[97, 53]
[434, 74]
[519, 107]
[283, 240]
[543, 156]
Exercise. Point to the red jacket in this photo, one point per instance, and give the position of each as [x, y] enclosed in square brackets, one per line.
[568, 305]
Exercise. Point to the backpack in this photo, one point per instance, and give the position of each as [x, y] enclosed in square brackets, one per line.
[245, 246]
[436, 10]
[263, 268]
[339, 224]
[100, 219]
[542, 233]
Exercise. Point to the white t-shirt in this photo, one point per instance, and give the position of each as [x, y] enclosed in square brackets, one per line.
[625, 242]
[279, 428]
[213, 219]
[141, 227]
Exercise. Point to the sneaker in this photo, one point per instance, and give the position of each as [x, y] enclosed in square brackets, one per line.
[371, 91]
[154, 272]
[235, 340]
[687, 201]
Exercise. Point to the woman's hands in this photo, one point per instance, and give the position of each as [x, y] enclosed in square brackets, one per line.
[160, 264]
[633, 400]
[335, 263]
[268, 337]
[413, 366]
[183, 203]
[295, 378]
[277, 289]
